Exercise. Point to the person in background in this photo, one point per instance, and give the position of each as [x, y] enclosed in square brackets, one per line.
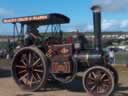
[111, 56]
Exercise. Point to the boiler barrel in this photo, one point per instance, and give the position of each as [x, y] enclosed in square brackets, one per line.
[90, 58]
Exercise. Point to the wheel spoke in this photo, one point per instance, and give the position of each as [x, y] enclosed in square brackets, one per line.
[23, 62]
[102, 77]
[34, 77]
[37, 70]
[99, 90]
[27, 79]
[38, 76]
[23, 71]
[106, 80]
[36, 61]
[93, 87]
[94, 75]
[105, 86]
[21, 78]
[91, 82]
[39, 65]
[29, 58]
[90, 77]
[24, 58]
[19, 66]
[30, 82]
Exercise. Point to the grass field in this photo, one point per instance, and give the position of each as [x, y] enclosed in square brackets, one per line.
[121, 57]
[5, 63]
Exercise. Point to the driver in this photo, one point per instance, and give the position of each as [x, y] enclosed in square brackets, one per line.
[31, 35]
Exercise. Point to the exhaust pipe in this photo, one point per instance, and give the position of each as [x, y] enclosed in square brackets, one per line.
[97, 26]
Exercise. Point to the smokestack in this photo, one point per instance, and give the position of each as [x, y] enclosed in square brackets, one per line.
[97, 26]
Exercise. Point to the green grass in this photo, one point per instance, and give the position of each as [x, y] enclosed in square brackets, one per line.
[5, 63]
[121, 57]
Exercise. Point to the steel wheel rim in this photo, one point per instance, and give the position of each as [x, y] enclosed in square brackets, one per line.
[29, 71]
[98, 85]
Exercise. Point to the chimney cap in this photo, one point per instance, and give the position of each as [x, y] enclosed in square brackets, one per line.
[96, 8]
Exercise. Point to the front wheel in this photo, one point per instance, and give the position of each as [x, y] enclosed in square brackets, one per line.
[29, 69]
[98, 81]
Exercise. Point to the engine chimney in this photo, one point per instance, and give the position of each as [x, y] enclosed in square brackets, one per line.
[97, 26]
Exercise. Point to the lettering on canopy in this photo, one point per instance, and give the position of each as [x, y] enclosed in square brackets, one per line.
[25, 19]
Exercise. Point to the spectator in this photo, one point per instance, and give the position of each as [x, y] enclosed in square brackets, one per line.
[111, 56]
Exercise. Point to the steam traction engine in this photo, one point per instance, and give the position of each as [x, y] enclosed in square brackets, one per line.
[34, 64]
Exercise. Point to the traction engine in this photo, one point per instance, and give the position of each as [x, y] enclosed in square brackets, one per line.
[53, 58]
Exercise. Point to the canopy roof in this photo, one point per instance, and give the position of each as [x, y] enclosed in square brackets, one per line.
[53, 18]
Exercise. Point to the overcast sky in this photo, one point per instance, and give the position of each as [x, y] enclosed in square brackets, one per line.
[114, 15]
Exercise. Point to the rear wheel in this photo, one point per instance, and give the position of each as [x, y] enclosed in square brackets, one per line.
[98, 81]
[29, 69]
